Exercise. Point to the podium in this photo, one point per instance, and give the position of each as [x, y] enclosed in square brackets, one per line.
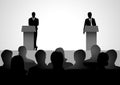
[28, 37]
[91, 36]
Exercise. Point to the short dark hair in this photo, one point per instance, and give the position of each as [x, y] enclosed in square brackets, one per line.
[89, 13]
[6, 54]
[57, 59]
[40, 56]
[33, 13]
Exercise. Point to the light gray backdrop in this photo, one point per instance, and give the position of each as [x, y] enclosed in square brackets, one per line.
[61, 22]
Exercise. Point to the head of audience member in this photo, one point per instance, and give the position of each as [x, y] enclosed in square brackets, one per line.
[102, 60]
[79, 56]
[22, 51]
[57, 60]
[17, 64]
[60, 49]
[112, 58]
[95, 50]
[90, 14]
[40, 57]
[6, 56]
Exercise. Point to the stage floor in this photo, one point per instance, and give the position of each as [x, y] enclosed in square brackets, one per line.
[68, 55]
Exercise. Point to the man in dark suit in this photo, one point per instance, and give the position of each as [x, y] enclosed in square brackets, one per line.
[89, 21]
[33, 21]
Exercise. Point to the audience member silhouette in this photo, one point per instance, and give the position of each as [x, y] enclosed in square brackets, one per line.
[92, 62]
[28, 62]
[99, 60]
[41, 66]
[79, 57]
[89, 21]
[40, 58]
[57, 60]
[95, 50]
[17, 67]
[112, 58]
[60, 49]
[6, 56]
[102, 61]
[66, 65]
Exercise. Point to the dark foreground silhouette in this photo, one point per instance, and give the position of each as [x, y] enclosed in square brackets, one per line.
[14, 67]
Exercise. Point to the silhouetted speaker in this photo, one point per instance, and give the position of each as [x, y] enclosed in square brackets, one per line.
[91, 36]
[28, 37]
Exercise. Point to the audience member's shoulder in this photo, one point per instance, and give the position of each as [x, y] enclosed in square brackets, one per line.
[90, 65]
[50, 66]
[67, 65]
[32, 61]
[17, 56]
[86, 62]
[34, 68]
[3, 69]
[29, 61]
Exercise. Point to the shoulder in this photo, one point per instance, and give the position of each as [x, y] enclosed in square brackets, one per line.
[30, 61]
[36, 19]
[50, 65]
[86, 19]
[93, 18]
[67, 64]
[1, 68]
[33, 67]
[30, 18]
[17, 56]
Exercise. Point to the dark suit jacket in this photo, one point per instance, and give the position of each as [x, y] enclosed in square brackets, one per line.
[88, 23]
[34, 22]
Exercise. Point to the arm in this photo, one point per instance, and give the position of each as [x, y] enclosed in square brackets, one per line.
[84, 30]
[84, 27]
[29, 22]
[94, 22]
[37, 22]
